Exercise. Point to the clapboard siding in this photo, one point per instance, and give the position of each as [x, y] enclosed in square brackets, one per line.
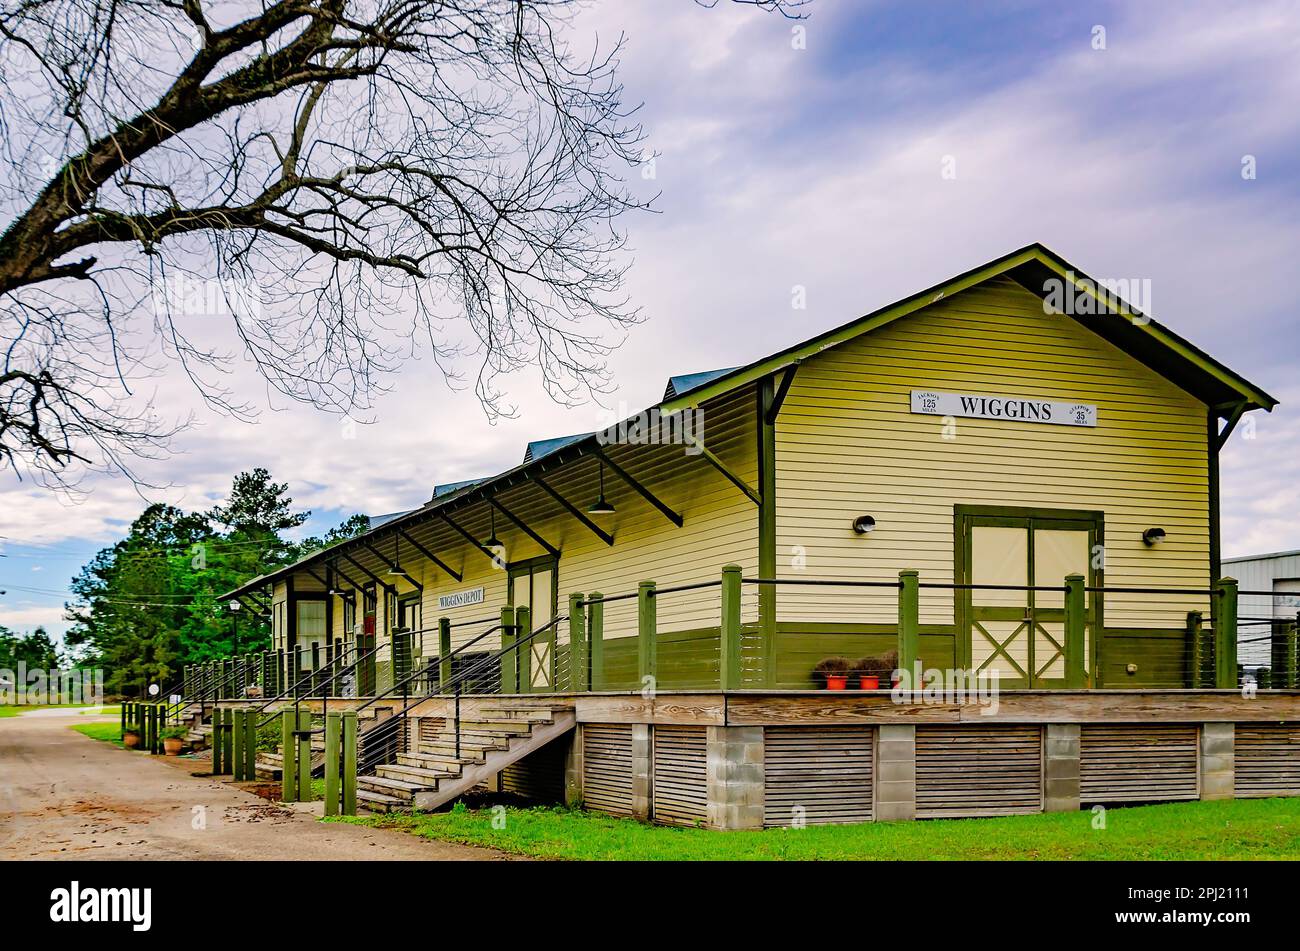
[720, 527]
[1138, 762]
[607, 768]
[1267, 759]
[679, 786]
[978, 771]
[818, 775]
[848, 444]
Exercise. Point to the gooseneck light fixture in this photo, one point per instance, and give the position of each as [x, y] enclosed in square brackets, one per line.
[492, 541]
[397, 569]
[600, 506]
[864, 524]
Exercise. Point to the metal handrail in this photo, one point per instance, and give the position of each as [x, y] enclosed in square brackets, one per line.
[391, 723]
[312, 674]
[676, 589]
[419, 673]
[829, 582]
[414, 674]
[486, 620]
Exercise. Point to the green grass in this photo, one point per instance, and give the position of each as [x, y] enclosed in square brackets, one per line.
[1232, 829]
[11, 710]
[108, 732]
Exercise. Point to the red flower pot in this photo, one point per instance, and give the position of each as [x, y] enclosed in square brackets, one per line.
[870, 682]
[837, 681]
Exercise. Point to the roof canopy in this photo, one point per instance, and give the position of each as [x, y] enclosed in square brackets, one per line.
[1035, 268]
[1038, 270]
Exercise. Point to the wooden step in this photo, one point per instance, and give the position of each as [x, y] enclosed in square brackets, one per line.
[396, 787]
[478, 739]
[529, 714]
[380, 802]
[448, 764]
[495, 726]
[475, 774]
[470, 748]
[415, 774]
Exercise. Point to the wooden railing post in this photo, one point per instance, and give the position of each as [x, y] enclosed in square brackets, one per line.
[1196, 649]
[509, 659]
[228, 743]
[333, 725]
[909, 619]
[1076, 675]
[218, 743]
[596, 638]
[444, 651]
[579, 679]
[729, 675]
[288, 756]
[646, 625]
[250, 745]
[237, 737]
[122, 712]
[1291, 644]
[304, 755]
[348, 740]
[1225, 633]
[524, 652]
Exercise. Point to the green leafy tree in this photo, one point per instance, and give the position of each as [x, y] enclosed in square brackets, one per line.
[148, 605]
[37, 650]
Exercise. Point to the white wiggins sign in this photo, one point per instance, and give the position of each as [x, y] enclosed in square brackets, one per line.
[1016, 408]
[460, 598]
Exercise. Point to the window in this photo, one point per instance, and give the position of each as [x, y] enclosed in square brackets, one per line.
[311, 631]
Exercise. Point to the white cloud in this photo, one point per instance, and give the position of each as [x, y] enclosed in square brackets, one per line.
[767, 184]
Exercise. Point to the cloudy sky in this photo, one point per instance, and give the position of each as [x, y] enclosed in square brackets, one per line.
[816, 159]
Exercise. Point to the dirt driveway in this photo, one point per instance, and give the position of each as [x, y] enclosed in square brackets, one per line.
[64, 795]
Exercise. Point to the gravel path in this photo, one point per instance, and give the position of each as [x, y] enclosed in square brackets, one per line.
[64, 795]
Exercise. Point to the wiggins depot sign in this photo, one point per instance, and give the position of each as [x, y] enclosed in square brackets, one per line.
[1019, 409]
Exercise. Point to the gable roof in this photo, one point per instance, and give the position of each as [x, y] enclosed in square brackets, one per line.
[1146, 340]
[684, 383]
[539, 448]
[1032, 267]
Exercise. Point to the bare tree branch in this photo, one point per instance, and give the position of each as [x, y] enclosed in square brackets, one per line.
[357, 179]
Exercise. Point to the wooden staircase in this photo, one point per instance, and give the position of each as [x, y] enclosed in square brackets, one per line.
[502, 734]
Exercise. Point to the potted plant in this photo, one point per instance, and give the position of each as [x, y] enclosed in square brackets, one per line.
[131, 736]
[835, 670]
[867, 670]
[174, 740]
[870, 669]
[888, 665]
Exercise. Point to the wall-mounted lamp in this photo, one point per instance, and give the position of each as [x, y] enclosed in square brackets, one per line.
[600, 506]
[864, 524]
[1153, 536]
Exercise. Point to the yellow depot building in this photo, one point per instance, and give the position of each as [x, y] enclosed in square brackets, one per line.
[1010, 477]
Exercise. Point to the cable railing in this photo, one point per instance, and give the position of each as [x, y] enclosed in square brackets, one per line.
[705, 635]
[381, 743]
[404, 687]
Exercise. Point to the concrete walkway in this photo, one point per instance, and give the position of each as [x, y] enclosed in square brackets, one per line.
[64, 795]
